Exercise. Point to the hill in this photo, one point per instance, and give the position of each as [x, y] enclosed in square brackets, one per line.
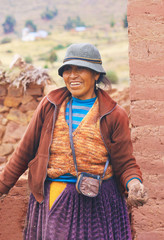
[92, 12]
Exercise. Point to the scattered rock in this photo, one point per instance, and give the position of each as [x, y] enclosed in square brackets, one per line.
[17, 62]
[49, 88]
[12, 101]
[29, 115]
[2, 130]
[34, 91]
[3, 109]
[6, 149]
[17, 116]
[2, 159]
[4, 121]
[32, 105]
[15, 92]
[3, 91]
[14, 132]
[26, 98]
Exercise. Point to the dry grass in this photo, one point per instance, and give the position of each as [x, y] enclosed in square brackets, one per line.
[113, 46]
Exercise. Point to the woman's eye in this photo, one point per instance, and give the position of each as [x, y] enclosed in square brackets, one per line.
[67, 68]
[80, 68]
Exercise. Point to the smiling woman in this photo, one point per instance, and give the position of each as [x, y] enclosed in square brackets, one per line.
[79, 154]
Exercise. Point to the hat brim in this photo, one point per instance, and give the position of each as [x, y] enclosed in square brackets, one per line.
[94, 66]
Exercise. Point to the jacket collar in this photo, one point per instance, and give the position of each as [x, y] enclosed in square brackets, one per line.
[58, 96]
[106, 103]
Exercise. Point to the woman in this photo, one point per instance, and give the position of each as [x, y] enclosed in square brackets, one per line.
[100, 129]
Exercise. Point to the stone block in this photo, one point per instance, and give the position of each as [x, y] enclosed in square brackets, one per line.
[4, 121]
[2, 130]
[149, 217]
[151, 137]
[13, 212]
[2, 100]
[2, 159]
[34, 91]
[12, 101]
[147, 112]
[49, 88]
[17, 116]
[147, 91]
[139, 79]
[149, 165]
[153, 68]
[34, 85]
[146, 27]
[29, 115]
[15, 92]
[26, 98]
[38, 99]
[5, 149]
[3, 109]
[14, 132]
[147, 7]
[153, 235]
[32, 105]
[147, 50]
[3, 91]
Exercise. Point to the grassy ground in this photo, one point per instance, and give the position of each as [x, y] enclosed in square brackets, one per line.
[113, 46]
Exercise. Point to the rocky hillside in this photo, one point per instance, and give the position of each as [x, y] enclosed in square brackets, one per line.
[91, 12]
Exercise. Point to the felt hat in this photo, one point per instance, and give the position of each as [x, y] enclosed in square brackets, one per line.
[84, 55]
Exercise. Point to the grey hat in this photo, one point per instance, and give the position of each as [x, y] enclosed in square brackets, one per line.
[84, 55]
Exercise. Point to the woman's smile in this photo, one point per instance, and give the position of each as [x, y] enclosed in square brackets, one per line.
[75, 84]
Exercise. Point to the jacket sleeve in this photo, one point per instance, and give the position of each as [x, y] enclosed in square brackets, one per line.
[123, 162]
[24, 152]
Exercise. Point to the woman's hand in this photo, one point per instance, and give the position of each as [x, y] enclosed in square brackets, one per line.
[137, 195]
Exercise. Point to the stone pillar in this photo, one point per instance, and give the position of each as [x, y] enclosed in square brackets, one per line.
[146, 60]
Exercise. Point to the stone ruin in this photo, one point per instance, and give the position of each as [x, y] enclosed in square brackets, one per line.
[21, 89]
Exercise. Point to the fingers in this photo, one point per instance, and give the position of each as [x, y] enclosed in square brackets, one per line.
[136, 202]
[137, 195]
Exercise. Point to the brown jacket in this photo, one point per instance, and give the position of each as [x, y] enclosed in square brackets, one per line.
[33, 149]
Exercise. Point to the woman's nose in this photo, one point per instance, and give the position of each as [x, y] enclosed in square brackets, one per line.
[73, 73]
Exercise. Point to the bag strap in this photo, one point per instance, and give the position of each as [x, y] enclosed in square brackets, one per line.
[72, 144]
[71, 137]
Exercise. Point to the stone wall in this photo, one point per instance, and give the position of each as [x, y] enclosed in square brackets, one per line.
[21, 89]
[22, 86]
[146, 59]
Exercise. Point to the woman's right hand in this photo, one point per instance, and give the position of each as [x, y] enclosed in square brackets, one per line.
[137, 195]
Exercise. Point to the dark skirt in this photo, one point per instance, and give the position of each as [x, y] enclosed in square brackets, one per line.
[76, 217]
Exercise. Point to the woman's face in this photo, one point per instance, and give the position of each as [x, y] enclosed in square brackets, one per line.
[80, 81]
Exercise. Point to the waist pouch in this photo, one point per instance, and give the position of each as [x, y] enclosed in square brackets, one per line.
[88, 184]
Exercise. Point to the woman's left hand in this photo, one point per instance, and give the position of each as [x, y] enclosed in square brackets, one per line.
[137, 195]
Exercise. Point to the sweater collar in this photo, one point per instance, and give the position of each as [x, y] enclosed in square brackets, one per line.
[106, 103]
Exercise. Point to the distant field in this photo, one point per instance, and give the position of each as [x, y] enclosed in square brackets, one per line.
[113, 46]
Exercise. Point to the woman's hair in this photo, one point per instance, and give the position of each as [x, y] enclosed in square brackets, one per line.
[103, 79]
